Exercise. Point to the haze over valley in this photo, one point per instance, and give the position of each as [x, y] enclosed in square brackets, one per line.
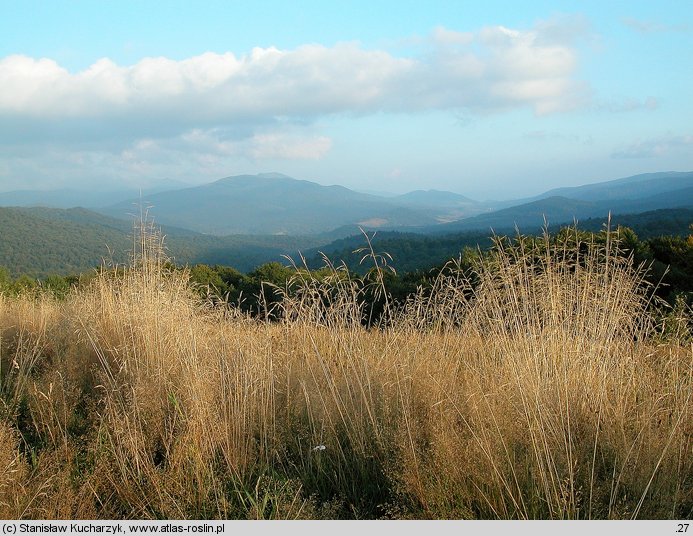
[244, 221]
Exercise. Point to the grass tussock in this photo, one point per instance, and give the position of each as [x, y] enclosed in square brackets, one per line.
[534, 387]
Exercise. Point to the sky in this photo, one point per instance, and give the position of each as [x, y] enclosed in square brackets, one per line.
[493, 100]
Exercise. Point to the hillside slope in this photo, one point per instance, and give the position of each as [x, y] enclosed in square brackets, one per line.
[42, 241]
[410, 251]
[555, 210]
[274, 204]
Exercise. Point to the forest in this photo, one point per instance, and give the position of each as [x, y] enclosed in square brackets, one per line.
[668, 259]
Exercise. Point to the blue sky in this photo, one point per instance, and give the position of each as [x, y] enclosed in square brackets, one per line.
[491, 100]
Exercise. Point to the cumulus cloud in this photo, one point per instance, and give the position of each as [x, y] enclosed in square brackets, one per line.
[493, 68]
[203, 154]
[627, 104]
[552, 136]
[264, 105]
[444, 36]
[655, 147]
[260, 146]
[649, 27]
[545, 135]
[270, 146]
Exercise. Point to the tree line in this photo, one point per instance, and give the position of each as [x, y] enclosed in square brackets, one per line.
[668, 259]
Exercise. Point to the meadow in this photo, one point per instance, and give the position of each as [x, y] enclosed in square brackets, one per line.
[544, 384]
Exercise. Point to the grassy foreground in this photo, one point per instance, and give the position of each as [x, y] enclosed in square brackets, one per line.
[541, 391]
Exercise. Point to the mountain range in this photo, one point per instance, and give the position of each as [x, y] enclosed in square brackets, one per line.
[76, 197]
[635, 187]
[275, 204]
[250, 219]
[559, 209]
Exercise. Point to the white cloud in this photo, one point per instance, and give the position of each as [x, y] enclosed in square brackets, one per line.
[491, 69]
[649, 27]
[656, 147]
[197, 155]
[544, 135]
[627, 104]
[395, 173]
[444, 36]
[168, 117]
[271, 146]
[261, 146]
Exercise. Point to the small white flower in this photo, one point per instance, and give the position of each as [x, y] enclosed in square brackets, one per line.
[319, 447]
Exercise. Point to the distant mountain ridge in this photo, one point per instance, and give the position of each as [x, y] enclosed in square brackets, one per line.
[633, 187]
[275, 204]
[63, 198]
[639, 193]
[44, 241]
[71, 197]
[433, 198]
[557, 210]
[278, 204]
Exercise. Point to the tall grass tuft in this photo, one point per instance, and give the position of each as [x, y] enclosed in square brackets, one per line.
[551, 401]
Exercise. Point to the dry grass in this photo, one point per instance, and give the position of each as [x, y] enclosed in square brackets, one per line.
[537, 392]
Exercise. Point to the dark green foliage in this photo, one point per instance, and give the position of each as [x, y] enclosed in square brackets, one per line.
[39, 246]
[47, 241]
[56, 285]
[24, 283]
[670, 221]
[5, 279]
[207, 280]
[262, 289]
[672, 264]
[410, 252]
[41, 241]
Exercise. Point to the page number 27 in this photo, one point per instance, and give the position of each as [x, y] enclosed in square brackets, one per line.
[682, 527]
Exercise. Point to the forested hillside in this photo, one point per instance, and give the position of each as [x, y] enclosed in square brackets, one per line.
[39, 242]
[667, 258]
[43, 241]
[409, 251]
[53, 241]
[273, 204]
